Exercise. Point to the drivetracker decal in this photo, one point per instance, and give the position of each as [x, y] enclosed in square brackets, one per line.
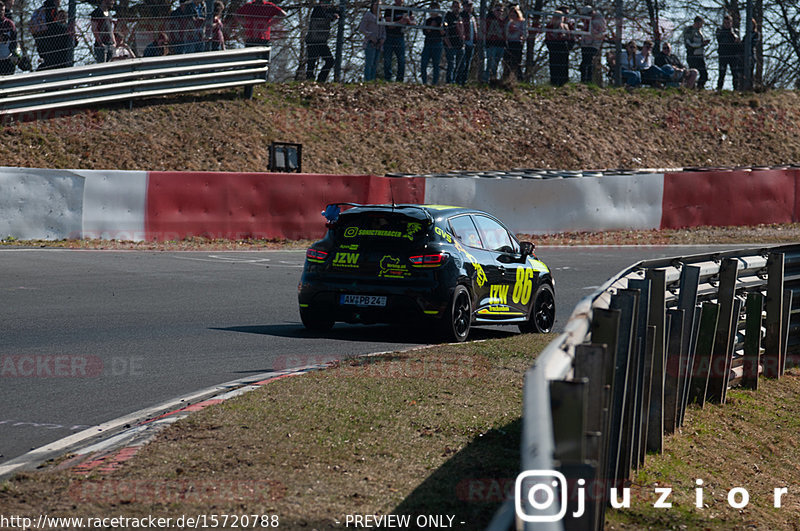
[392, 268]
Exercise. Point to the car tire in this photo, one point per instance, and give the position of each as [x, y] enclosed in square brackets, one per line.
[457, 320]
[543, 312]
[314, 321]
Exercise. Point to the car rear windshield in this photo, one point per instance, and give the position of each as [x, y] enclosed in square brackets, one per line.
[380, 226]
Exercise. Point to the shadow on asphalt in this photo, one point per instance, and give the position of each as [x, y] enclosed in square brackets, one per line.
[365, 333]
[473, 483]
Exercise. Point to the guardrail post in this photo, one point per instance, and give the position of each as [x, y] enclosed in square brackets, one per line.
[592, 362]
[720, 357]
[786, 323]
[641, 363]
[737, 312]
[774, 322]
[627, 302]
[658, 317]
[706, 334]
[568, 401]
[687, 301]
[752, 340]
[675, 369]
[605, 330]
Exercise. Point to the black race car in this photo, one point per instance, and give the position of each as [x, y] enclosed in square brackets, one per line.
[449, 266]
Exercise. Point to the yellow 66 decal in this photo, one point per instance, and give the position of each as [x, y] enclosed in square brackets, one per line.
[523, 286]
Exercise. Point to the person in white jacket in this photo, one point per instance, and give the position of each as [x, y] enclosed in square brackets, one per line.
[374, 36]
[695, 43]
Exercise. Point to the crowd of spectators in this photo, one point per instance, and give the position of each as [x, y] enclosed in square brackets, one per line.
[452, 34]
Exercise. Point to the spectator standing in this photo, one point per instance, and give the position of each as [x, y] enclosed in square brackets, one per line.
[495, 41]
[686, 77]
[196, 30]
[374, 36]
[178, 26]
[516, 35]
[8, 43]
[432, 49]
[470, 27]
[57, 42]
[159, 47]
[319, 31]
[695, 43]
[591, 42]
[257, 17]
[453, 40]
[730, 52]
[41, 18]
[395, 44]
[559, 41]
[217, 37]
[755, 40]
[103, 31]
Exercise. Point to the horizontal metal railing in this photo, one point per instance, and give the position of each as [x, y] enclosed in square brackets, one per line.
[655, 338]
[132, 78]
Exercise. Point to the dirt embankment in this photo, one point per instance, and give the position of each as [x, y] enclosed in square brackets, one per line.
[408, 128]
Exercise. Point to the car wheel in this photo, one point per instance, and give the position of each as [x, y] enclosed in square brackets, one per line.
[456, 322]
[543, 311]
[314, 321]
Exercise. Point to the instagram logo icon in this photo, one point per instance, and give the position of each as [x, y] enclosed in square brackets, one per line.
[540, 496]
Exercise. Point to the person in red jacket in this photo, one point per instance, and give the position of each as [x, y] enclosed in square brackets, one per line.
[257, 18]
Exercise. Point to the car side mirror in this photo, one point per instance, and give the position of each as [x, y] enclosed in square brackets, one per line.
[527, 248]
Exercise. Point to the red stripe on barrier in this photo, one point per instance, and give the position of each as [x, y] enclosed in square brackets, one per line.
[259, 205]
[693, 199]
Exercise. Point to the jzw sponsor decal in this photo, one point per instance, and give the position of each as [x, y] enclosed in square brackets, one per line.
[345, 260]
[498, 294]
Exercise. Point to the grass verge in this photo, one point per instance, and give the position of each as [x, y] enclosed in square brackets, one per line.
[750, 443]
[432, 431]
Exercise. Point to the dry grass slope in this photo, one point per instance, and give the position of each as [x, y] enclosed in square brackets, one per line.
[408, 128]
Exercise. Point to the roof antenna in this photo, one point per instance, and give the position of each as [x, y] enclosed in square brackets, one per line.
[391, 190]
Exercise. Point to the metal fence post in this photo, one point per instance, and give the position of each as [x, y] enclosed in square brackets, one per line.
[752, 340]
[737, 312]
[672, 375]
[658, 319]
[627, 302]
[726, 291]
[774, 307]
[702, 359]
[641, 364]
[786, 323]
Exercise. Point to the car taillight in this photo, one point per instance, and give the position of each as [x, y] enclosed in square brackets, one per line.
[428, 260]
[315, 255]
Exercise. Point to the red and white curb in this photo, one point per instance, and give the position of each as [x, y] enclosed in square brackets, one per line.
[103, 447]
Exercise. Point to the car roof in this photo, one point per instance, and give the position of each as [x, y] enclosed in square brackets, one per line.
[436, 212]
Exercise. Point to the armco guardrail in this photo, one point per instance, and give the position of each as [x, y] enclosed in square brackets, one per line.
[132, 78]
[657, 337]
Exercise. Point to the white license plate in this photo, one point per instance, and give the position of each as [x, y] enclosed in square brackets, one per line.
[363, 300]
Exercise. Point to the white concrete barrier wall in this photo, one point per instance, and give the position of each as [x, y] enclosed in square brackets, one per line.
[558, 205]
[40, 204]
[114, 204]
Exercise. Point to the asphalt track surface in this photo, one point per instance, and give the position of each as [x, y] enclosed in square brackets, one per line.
[89, 336]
